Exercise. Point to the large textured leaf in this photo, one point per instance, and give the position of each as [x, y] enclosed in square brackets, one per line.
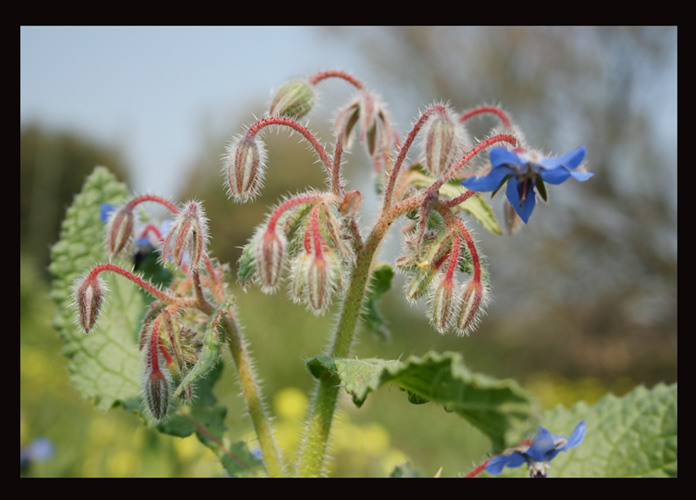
[104, 364]
[631, 436]
[499, 408]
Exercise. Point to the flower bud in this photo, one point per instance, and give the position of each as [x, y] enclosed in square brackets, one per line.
[443, 304]
[442, 141]
[270, 250]
[294, 99]
[119, 231]
[188, 236]
[316, 273]
[156, 388]
[245, 164]
[89, 297]
[474, 299]
[156, 381]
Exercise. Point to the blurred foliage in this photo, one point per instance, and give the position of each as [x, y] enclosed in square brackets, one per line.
[53, 167]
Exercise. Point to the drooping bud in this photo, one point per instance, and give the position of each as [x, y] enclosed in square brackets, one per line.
[119, 231]
[443, 136]
[444, 298]
[89, 297]
[270, 251]
[294, 99]
[474, 299]
[244, 167]
[188, 237]
[156, 388]
[156, 381]
[316, 269]
[443, 304]
[367, 111]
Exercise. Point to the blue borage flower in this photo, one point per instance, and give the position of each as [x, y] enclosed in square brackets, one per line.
[544, 447]
[526, 172]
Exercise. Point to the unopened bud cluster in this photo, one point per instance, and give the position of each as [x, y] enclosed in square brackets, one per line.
[173, 330]
[304, 239]
[432, 264]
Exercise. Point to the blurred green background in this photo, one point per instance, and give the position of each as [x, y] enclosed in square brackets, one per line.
[584, 296]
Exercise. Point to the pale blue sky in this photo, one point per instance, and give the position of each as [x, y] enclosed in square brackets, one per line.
[150, 90]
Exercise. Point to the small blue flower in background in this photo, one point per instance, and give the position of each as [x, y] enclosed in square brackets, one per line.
[39, 450]
[526, 173]
[544, 447]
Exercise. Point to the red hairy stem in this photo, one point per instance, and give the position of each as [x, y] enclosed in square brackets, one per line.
[297, 200]
[279, 120]
[468, 156]
[323, 75]
[151, 197]
[404, 149]
[452, 219]
[145, 285]
[504, 119]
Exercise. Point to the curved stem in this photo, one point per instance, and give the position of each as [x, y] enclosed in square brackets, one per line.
[151, 197]
[252, 396]
[319, 426]
[323, 75]
[402, 153]
[279, 120]
[504, 119]
[468, 156]
[144, 284]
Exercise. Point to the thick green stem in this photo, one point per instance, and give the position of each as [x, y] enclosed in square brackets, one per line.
[252, 396]
[319, 426]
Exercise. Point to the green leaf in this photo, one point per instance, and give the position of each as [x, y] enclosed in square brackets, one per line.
[380, 283]
[104, 364]
[499, 408]
[476, 205]
[207, 420]
[631, 436]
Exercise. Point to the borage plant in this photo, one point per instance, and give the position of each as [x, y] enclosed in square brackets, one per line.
[158, 352]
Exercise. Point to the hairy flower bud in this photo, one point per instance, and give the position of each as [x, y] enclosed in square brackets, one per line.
[317, 268]
[89, 297]
[270, 250]
[294, 99]
[443, 304]
[474, 299]
[119, 231]
[442, 141]
[315, 279]
[188, 236]
[156, 392]
[157, 383]
[244, 167]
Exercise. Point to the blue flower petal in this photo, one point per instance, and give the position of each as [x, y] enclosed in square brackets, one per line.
[569, 160]
[524, 210]
[542, 443]
[577, 436]
[502, 156]
[489, 182]
[496, 464]
[105, 211]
